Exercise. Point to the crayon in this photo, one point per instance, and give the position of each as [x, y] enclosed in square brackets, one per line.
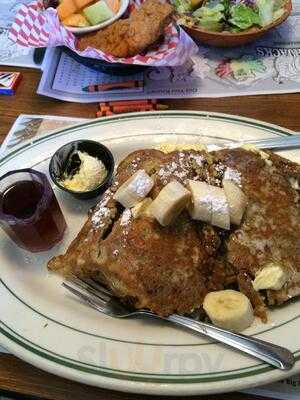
[104, 113]
[127, 102]
[134, 108]
[100, 87]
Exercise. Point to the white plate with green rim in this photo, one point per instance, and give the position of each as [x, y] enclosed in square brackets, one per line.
[42, 324]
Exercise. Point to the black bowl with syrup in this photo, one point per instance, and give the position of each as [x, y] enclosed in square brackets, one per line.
[65, 161]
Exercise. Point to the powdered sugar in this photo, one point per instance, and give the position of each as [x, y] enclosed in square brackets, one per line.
[180, 168]
[124, 222]
[177, 169]
[102, 212]
[135, 162]
[141, 184]
[125, 219]
[198, 159]
[232, 175]
[220, 168]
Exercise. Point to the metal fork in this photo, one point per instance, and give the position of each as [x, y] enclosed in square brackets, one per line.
[102, 300]
[281, 142]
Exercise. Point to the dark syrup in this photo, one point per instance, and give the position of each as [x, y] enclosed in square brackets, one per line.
[21, 199]
[37, 226]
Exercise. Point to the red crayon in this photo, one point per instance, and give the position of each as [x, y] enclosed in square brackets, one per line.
[133, 108]
[104, 113]
[100, 87]
[127, 102]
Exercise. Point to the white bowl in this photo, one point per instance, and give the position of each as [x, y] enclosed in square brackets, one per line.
[87, 29]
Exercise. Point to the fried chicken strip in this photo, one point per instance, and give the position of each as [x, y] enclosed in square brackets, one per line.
[131, 36]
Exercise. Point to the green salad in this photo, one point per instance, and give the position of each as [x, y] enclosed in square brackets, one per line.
[229, 15]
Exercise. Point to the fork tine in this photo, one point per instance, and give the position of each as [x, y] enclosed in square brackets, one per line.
[92, 302]
[95, 284]
[99, 286]
[74, 280]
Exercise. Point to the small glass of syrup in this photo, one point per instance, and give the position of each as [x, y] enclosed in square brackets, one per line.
[29, 212]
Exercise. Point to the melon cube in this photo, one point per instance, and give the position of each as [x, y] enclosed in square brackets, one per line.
[82, 3]
[114, 5]
[66, 8]
[98, 12]
[76, 20]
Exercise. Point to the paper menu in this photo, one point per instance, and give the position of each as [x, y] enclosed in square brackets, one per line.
[287, 389]
[71, 76]
[28, 127]
[11, 53]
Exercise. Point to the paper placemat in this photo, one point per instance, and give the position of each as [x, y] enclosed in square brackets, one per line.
[27, 127]
[269, 65]
[11, 53]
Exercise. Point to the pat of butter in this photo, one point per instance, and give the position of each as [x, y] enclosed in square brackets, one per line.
[91, 173]
[272, 276]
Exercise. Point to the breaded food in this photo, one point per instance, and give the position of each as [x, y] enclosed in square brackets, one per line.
[112, 40]
[270, 231]
[147, 24]
[166, 270]
[81, 257]
[131, 36]
[170, 269]
[161, 269]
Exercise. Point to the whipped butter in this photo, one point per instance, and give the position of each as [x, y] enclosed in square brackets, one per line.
[91, 174]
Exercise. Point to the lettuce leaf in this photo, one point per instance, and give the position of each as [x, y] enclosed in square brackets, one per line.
[244, 17]
[270, 10]
[231, 15]
[182, 6]
[210, 18]
[265, 10]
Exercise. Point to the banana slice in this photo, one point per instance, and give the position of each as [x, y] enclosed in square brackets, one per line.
[209, 204]
[229, 309]
[134, 189]
[272, 276]
[200, 207]
[220, 208]
[169, 203]
[237, 201]
[141, 208]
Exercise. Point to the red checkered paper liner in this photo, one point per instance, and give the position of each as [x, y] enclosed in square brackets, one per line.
[35, 26]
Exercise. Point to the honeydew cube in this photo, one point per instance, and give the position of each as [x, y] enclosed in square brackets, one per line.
[98, 12]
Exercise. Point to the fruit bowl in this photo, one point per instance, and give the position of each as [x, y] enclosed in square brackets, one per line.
[86, 29]
[229, 39]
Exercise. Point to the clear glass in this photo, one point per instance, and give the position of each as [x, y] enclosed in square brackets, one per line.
[29, 212]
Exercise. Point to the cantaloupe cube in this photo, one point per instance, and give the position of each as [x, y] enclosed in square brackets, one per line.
[114, 5]
[76, 20]
[98, 12]
[66, 8]
[82, 3]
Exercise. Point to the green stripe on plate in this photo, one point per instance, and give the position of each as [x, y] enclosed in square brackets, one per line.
[124, 375]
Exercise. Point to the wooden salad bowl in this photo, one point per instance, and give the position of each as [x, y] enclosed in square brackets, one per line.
[229, 39]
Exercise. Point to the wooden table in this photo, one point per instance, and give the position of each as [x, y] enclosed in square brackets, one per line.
[19, 377]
